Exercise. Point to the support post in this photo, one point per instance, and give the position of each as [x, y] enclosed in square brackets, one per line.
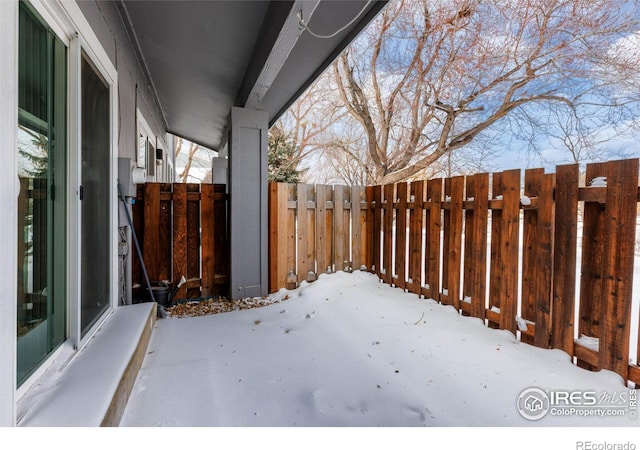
[249, 202]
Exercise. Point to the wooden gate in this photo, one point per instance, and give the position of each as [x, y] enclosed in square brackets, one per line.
[183, 231]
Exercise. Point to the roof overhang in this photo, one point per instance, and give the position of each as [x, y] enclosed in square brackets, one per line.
[203, 57]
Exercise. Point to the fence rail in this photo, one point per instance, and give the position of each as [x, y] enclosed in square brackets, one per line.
[183, 231]
[500, 247]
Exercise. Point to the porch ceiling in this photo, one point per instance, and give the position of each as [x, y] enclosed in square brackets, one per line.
[203, 57]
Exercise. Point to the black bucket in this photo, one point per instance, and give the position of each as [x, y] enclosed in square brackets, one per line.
[161, 293]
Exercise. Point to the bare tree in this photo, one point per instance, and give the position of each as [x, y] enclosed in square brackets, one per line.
[190, 156]
[307, 123]
[339, 167]
[429, 77]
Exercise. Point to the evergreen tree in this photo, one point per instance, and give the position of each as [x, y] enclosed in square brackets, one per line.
[281, 167]
[35, 155]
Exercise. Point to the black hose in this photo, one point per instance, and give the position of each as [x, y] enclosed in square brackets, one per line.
[135, 240]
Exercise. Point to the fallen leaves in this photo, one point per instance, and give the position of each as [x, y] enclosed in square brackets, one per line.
[206, 307]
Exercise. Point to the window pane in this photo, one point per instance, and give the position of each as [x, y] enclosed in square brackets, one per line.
[142, 151]
[41, 213]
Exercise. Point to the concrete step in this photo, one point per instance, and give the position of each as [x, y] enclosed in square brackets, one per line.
[92, 388]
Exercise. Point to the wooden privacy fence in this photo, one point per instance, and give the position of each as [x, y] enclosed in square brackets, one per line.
[499, 247]
[315, 229]
[183, 231]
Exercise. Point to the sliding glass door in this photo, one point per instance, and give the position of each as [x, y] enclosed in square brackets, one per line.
[95, 199]
[42, 209]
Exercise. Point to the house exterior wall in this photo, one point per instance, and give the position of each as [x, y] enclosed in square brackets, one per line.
[134, 91]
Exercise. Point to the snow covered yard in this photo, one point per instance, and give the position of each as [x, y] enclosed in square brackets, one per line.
[348, 350]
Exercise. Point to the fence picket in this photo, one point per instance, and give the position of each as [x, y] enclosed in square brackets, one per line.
[469, 239]
[495, 272]
[278, 197]
[530, 269]
[564, 263]
[208, 240]
[152, 230]
[221, 238]
[376, 209]
[478, 248]
[311, 235]
[387, 238]
[321, 228]
[401, 236]
[329, 230]
[509, 240]
[433, 249]
[544, 263]
[454, 248]
[304, 261]
[193, 241]
[446, 238]
[358, 231]
[416, 214]
[165, 235]
[592, 259]
[340, 232]
[180, 237]
[292, 280]
[618, 254]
